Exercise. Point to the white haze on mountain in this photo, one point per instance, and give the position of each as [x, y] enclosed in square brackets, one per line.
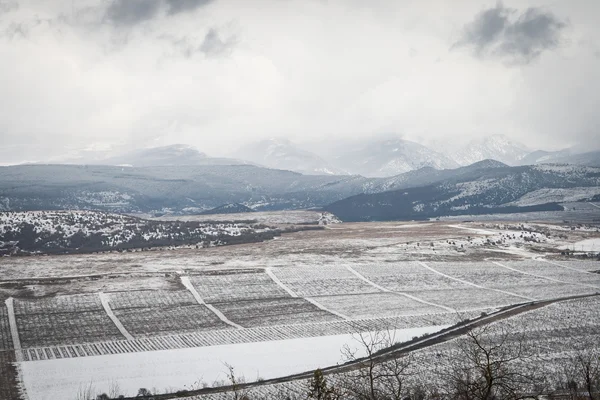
[495, 147]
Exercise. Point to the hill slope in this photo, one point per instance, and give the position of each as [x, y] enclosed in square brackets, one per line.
[167, 189]
[491, 192]
[193, 189]
[87, 231]
[173, 155]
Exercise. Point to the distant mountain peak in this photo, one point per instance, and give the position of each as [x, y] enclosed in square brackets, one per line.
[495, 147]
[386, 156]
[281, 153]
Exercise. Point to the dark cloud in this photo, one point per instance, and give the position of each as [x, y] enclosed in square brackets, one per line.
[131, 12]
[486, 28]
[178, 6]
[496, 32]
[214, 45]
[534, 32]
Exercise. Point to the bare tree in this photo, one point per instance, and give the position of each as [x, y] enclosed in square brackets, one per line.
[582, 375]
[492, 363]
[86, 392]
[238, 391]
[114, 390]
[374, 379]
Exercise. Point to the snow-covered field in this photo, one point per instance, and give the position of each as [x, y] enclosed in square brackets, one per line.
[592, 245]
[264, 217]
[304, 290]
[188, 368]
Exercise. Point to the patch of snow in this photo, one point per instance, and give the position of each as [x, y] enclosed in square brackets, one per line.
[587, 245]
[181, 368]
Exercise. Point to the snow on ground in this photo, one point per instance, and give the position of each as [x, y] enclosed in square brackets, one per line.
[265, 217]
[592, 245]
[478, 231]
[184, 368]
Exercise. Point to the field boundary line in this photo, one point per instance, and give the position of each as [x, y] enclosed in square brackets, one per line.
[185, 280]
[222, 316]
[545, 277]
[14, 331]
[474, 284]
[564, 266]
[106, 305]
[450, 309]
[322, 307]
[589, 202]
[367, 280]
[282, 285]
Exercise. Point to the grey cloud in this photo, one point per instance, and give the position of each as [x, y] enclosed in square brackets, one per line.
[534, 32]
[214, 45]
[486, 28]
[131, 12]
[494, 32]
[16, 30]
[178, 6]
[211, 45]
[8, 6]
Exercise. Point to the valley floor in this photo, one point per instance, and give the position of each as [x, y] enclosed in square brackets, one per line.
[180, 317]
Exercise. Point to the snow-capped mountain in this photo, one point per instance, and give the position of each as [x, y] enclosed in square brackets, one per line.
[389, 156]
[283, 154]
[495, 147]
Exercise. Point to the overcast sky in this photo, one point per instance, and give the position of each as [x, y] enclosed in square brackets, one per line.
[100, 74]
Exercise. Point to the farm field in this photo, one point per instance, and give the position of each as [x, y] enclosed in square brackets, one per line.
[577, 327]
[306, 288]
[46, 380]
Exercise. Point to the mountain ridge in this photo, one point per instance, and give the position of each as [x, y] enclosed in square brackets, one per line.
[495, 190]
[194, 189]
